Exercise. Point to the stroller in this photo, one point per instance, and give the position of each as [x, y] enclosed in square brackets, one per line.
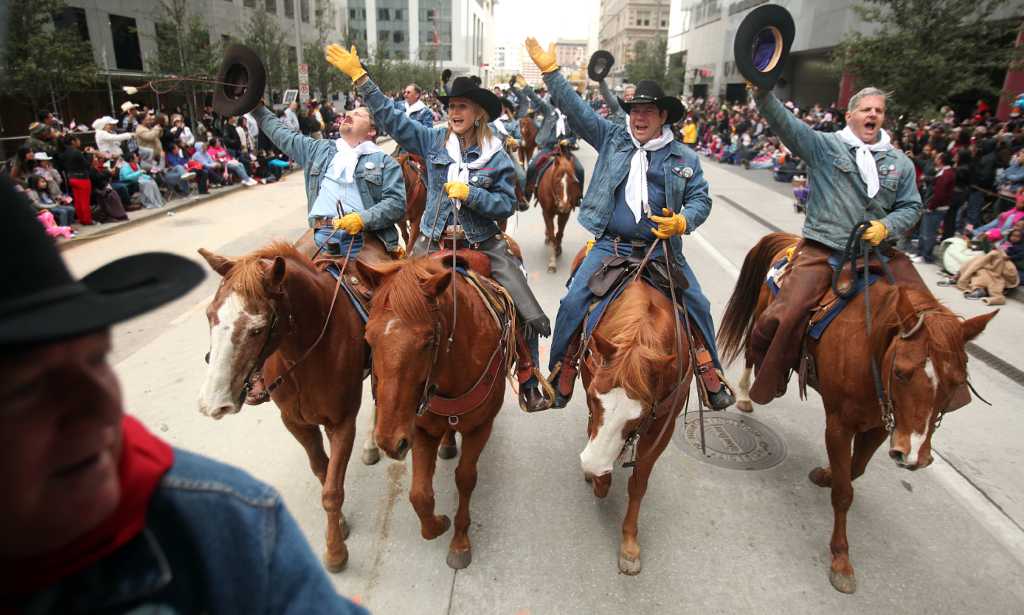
[800, 192]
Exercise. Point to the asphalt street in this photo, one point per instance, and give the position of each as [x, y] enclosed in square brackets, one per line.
[948, 539]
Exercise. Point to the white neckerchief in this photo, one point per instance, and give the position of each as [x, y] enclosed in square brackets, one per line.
[416, 106]
[636, 183]
[343, 165]
[499, 125]
[559, 123]
[458, 171]
[865, 161]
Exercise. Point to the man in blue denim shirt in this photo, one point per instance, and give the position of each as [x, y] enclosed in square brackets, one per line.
[414, 107]
[99, 515]
[351, 184]
[641, 172]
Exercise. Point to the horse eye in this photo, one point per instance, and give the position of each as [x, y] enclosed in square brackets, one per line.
[256, 331]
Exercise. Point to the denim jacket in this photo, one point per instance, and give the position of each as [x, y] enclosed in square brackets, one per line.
[216, 541]
[686, 190]
[512, 126]
[423, 116]
[615, 112]
[492, 195]
[839, 199]
[547, 134]
[381, 186]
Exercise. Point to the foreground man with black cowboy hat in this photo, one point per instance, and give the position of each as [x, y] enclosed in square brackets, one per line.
[646, 186]
[98, 514]
[470, 188]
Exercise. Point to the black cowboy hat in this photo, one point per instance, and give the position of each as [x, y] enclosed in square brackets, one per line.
[650, 92]
[41, 302]
[446, 74]
[466, 87]
[505, 102]
[600, 65]
[243, 69]
[762, 44]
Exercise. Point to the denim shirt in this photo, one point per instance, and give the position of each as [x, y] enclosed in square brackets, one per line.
[839, 200]
[216, 541]
[686, 195]
[381, 186]
[423, 116]
[547, 134]
[492, 195]
[511, 126]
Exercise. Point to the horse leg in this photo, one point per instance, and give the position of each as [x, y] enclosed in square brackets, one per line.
[629, 549]
[310, 438]
[864, 446]
[371, 454]
[342, 437]
[403, 226]
[549, 237]
[460, 551]
[743, 401]
[838, 442]
[421, 494]
[449, 449]
[563, 220]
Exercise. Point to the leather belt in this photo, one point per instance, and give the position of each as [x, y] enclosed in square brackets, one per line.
[322, 222]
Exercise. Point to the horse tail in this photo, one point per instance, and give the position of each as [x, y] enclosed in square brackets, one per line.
[734, 332]
[638, 342]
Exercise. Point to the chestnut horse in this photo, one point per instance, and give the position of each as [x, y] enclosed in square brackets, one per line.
[919, 345]
[418, 352]
[636, 376]
[559, 192]
[415, 196]
[274, 304]
[528, 129]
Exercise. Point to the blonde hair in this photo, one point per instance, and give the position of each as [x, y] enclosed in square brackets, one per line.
[481, 130]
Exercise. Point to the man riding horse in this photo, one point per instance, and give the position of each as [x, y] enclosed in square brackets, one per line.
[858, 177]
[641, 172]
[351, 184]
[471, 186]
[554, 131]
[506, 128]
[414, 107]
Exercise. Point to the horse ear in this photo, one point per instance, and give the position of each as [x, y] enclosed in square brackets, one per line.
[603, 346]
[374, 276]
[274, 278]
[905, 310]
[438, 283]
[220, 264]
[972, 327]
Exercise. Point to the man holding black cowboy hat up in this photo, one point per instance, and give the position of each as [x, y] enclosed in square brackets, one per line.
[646, 186]
[858, 177]
[98, 514]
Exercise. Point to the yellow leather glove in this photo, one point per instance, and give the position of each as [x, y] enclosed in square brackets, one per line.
[511, 143]
[789, 252]
[668, 225]
[457, 190]
[350, 223]
[520, 81]
[345, 61]
[398, 253]
[545, 60]
[589, 246]
[876, 234]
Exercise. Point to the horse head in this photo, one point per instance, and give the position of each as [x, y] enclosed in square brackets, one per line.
[924, 371]
[245, 325]
[567, 189]
[404, 333]
[631, 352]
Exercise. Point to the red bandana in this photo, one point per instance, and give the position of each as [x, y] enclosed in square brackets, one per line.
[144, 461]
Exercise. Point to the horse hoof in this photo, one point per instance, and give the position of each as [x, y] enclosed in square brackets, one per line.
[629, 566]
[445, 524]
[845, 583]
[336, 562]
[448, 452]
[552, 269]
[370, 456]
[458, 560]
[820, 477]
[588, 477]
[745, 405]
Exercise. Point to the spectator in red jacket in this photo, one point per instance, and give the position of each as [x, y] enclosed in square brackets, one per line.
[936, 207]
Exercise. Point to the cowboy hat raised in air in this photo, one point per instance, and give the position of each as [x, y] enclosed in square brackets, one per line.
[762, 44]
[467, 87]
[243, 79]
[649, 92]
[40, 301]
[600, 65]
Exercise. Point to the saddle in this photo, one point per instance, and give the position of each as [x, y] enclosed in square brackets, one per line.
[616, 269]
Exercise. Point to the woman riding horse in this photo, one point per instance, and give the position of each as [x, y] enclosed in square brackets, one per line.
[471, 186]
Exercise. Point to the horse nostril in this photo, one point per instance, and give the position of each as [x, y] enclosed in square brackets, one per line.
[401, 447]
[897, 456]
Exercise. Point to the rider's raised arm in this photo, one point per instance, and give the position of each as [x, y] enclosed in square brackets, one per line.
[298, 147]
[390, 209]
[522, 102]
[803, 140]
[538, 102]
[408, 133]
[581, 117]
[609, 98]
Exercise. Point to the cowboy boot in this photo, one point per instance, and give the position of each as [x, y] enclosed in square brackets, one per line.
[532, 400]
[720, 395]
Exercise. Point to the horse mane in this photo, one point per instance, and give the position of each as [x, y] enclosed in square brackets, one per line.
[403, 293]
[246, 276]
[642, 346]
[942, 326]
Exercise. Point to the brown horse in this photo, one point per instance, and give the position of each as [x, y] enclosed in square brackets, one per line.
[634, 391]
[274, 304]
[559, 192]
[415, 196]
[528, 129]
[418, 352]
[919, 345]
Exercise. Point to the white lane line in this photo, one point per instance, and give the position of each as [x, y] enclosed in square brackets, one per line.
[999, 523]
[188, 313]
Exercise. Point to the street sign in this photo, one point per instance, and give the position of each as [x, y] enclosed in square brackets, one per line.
[304, 82]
